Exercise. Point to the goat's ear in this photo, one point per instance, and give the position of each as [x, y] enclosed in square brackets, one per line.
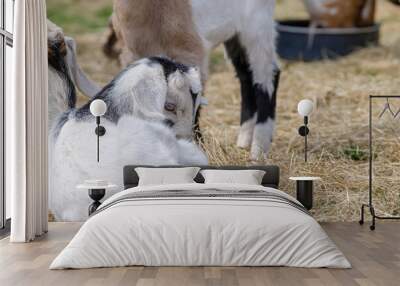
[176, 80]
[82, 82]
[194, 77]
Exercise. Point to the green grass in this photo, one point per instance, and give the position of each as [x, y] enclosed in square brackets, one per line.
[78, 17]
[354, 152]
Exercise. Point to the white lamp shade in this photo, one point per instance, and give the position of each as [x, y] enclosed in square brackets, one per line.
[98, 107]
[305, 107]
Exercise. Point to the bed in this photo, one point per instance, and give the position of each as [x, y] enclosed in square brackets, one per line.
[198, 224]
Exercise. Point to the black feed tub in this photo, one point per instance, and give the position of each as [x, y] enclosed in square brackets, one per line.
[298, 41]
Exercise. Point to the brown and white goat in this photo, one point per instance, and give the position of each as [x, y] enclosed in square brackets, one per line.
[187, 30]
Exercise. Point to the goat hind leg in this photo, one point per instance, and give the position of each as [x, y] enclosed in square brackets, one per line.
[258, 39]
[265, 122]
[248, 115]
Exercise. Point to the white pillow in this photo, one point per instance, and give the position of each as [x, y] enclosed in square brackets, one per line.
[165, 176]
[248, 177]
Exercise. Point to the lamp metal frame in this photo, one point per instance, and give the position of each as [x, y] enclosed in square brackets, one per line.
[370, 204]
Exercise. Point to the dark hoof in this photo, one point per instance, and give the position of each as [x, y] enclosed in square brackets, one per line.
[372, 227]
[361, 222]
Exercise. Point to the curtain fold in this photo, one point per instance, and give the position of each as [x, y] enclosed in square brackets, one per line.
[26, 123]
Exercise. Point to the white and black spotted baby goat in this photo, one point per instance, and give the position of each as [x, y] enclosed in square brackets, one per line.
[150, 106]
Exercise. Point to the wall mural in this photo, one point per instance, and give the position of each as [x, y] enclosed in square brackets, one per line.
[205, 88]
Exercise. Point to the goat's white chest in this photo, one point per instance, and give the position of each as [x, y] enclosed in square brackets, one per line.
[215, 20]
[219, 20]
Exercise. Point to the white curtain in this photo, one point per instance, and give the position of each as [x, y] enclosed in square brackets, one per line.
[26, 123]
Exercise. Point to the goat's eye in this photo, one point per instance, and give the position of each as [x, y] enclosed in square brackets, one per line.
[170, 107]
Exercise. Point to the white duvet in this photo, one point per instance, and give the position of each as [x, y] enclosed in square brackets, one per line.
[203, 231]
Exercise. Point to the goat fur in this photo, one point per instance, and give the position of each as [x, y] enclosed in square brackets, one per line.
[153, 26]
[131, 141]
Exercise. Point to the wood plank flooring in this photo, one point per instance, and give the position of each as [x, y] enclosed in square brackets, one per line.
[375, 257]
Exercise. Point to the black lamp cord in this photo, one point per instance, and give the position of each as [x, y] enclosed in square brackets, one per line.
[98, 137]
[305, 138]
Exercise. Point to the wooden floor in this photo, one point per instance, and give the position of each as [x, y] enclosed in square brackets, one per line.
[375, 257]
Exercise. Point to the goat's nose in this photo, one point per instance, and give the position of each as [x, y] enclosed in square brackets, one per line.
[169, 122]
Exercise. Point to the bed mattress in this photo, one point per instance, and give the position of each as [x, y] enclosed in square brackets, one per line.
[201, 225]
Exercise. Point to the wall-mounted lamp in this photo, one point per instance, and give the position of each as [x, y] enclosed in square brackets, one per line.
[305, 108]
[98, 108]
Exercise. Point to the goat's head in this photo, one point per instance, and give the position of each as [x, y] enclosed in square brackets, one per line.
[154, 89]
